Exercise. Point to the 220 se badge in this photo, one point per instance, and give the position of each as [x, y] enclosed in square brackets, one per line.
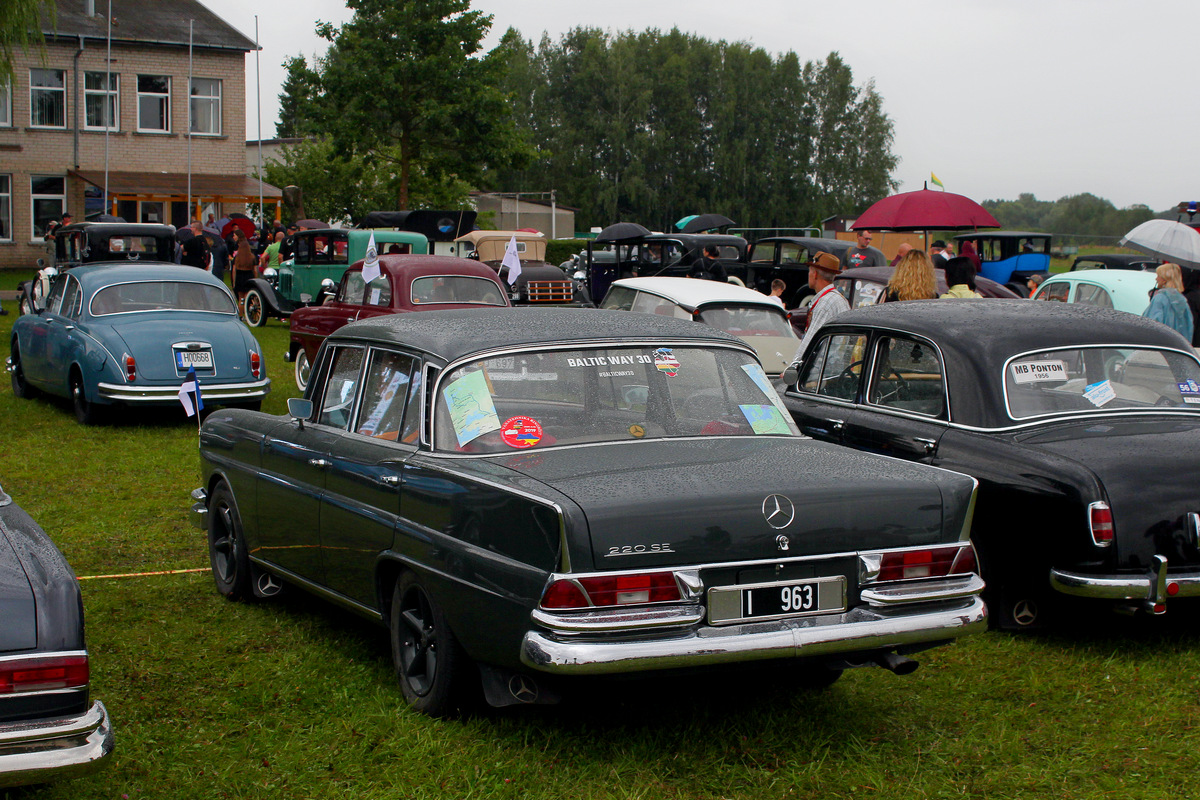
[644, 524]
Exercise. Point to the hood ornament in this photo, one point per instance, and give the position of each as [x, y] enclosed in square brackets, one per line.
[779, 512]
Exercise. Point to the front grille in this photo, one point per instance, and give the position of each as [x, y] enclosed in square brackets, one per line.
[549, 291]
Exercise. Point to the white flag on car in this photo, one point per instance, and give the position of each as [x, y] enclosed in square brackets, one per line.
[512, 261]
[370, 270]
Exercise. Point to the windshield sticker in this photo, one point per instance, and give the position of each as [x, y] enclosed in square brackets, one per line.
[765, 419]
[521, 432]
[666, 362]
[608, 361]
[375, 293]
[385, 402]
[1190, 391]
[471, 409]
[1100, 393]
[1039, 371]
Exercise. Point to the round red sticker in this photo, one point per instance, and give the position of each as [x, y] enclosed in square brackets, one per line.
[521, 432]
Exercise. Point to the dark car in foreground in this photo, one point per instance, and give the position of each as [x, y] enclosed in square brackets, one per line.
[554, 493]
[1081, 424]
[50, 728]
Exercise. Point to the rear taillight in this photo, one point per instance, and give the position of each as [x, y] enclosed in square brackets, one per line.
[130, 368]
[612, 590]
[43, 673]
[1100, 523]
[255, 364]
[934, 562]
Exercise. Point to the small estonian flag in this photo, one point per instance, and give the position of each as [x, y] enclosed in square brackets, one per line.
[190, 388]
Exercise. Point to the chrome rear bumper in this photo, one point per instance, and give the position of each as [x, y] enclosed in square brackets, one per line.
[1152, 588]
[216, 393]
[858, 630]
[43, 750]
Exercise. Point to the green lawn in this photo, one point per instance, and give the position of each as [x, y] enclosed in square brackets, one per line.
[294, 699]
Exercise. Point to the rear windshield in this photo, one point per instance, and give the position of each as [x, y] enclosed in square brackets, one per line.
[747, 320]
[1091, 379]
[124, 298]
[456, 289]
[561, 397]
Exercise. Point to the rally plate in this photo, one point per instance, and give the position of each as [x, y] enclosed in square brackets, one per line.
[776, 600]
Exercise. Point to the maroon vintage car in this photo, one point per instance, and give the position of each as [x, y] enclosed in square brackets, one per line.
[406, 283]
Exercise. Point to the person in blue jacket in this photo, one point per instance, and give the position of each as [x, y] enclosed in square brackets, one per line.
[1167, 304]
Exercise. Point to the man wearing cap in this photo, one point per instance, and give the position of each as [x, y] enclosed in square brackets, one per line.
[938, 250]
[863, 255]
[828, 303]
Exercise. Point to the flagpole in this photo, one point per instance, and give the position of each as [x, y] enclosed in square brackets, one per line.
[191, 22]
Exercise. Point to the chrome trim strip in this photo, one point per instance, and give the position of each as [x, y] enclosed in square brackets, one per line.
[222, 391]
[43, 654]
[952, 588]
[318, 589]
[34, 751]
[857, 630]
[622, 620]
[707, 438]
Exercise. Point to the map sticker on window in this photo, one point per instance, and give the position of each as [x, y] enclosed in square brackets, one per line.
[1190, 391]
[666, 362]
[521, 432]
[471, 409]
[1099, 394]
[765, 419]
[1039, 371]
[764, 385]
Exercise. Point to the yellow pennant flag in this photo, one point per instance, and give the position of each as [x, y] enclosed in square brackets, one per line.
[936, 182]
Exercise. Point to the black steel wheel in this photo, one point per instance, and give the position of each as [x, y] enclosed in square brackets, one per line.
[86, 411]
[20, 386]
[303, 368]
[255, 308]
[429, 661]
[227, 551]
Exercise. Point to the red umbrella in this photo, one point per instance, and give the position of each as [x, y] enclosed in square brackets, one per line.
[238, 222]
[925, 210]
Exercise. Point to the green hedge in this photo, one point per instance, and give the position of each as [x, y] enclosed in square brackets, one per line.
[559, 250]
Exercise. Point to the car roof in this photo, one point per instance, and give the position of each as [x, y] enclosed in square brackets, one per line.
[884, 274]
[451, 335]
[692, 293]
[481, 236]
[105, 273]
[821, 244]
[977, 338]
[404, 265]
[1123, 259]
[697, 239]
[1107, 277]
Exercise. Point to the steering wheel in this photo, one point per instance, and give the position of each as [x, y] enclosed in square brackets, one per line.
[1114, 368]
[900, 390]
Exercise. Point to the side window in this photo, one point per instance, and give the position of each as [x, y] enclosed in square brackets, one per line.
[353, 288]
[841, 369]
[908, 375]
[619, 297]
[71, 298]
[1090, 295]
[303, 249]
[54, 299]
[1055, 290]
[810, 381]
[337, 400]
[653, 304]
[385, 390]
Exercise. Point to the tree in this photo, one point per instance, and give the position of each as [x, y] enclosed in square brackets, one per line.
[21, 27]
[300, 101]
[404, 84]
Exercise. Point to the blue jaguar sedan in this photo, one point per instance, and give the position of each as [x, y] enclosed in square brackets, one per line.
[110, 335]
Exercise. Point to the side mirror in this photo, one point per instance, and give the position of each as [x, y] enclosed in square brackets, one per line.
[299, 409]
[791, 374]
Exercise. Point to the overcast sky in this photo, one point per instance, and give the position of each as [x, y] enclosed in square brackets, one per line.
[996, 97]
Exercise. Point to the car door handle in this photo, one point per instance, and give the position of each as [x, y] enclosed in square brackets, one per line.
[70, 327]
[390, 480]
[319, 463]
[835, 425]
[930, 444]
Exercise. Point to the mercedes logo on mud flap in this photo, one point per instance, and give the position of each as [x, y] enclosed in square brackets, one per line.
[523, 688]
[779, 512]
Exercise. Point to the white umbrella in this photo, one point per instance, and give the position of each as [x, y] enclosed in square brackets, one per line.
[1166, 239]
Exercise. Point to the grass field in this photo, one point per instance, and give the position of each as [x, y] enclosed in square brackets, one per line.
[294, 699]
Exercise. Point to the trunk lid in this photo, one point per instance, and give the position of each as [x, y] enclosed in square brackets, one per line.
[150, 341]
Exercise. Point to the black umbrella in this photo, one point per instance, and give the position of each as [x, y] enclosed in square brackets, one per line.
[706, 222]
[183, 234]
[311, 224]
[622, 232]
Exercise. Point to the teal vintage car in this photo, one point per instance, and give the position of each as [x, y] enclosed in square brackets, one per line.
[1124, 290]
[319, 258]
[114, 334]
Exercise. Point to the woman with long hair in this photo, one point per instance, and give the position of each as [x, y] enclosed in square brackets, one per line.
[243, 266]
[913, 279]
[1167, 304]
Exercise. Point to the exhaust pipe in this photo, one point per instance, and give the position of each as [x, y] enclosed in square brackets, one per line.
[896, 663]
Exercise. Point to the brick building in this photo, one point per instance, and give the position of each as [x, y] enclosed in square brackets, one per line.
[74, 123]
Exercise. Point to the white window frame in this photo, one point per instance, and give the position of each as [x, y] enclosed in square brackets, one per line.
[6, 208]
[35, 90]
[34, 198]
[6, 120]
[165, 99]
[113, 93]
[213, 101]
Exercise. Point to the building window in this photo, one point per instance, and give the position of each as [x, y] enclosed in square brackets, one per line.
[49, 196]
[206, 106]
[5, 208]
[47, 98]
[5, 106]
[101, 101]
[154, 103]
